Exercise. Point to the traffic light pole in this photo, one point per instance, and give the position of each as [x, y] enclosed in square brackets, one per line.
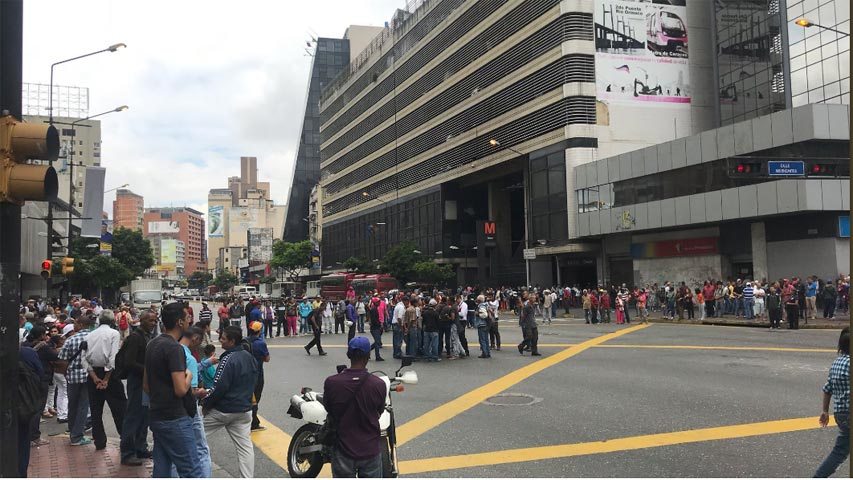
[11, 46]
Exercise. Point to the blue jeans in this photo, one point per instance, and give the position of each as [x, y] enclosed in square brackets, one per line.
[397, 340]
[840, 450]
[201, 445]
[377, 340]
[483, 335]
[78, 409]
[303, 324]
[413, 341]
[749, 311]
[361, 323]
[345, 467]
[431, 345]
[739, 306]
[729, 306]
[174, 443]
[134, 432]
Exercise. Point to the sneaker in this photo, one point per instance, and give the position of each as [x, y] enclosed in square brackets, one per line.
[82, 441]
[62, 420]
[132, 462]
[259, 428]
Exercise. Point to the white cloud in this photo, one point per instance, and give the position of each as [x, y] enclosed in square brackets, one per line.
[206, 82]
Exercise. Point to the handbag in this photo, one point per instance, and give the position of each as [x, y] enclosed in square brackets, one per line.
[61, 366]
[328, 433]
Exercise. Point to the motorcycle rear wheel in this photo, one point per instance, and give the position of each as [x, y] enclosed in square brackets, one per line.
[299, 465]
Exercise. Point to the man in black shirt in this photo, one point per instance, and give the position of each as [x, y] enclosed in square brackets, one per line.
[167, 382]
[134, 432]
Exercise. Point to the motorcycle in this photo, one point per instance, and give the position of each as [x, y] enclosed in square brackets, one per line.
[306, 454]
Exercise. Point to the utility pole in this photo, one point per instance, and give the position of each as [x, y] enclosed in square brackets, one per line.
[11, 47]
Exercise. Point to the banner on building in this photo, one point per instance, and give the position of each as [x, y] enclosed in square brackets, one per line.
[106, 243]
[676, 248]
[641, 51]
[260, 245]
[168, 252]
[163, 227]
[93, 202]
[215, 222]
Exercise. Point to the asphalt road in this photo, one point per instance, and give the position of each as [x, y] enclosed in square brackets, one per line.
[605, 401]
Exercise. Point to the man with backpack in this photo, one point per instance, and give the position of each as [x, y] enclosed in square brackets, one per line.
[131, 361]
[484, 322]
[235, 313]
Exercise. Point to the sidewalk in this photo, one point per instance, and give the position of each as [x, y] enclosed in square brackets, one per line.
[59, 459]
[838, 322]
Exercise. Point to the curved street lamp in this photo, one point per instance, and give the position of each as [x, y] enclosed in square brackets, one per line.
[806, 23]
[112, 48]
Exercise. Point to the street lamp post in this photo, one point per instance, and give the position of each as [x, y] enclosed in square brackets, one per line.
[116, 188]
[806, 23]
[111, 48]
[493, 142]
[71, 165]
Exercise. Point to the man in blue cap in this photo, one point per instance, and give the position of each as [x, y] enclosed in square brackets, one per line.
[354, 400]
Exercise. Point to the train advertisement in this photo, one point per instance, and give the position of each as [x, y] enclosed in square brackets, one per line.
[641, 51]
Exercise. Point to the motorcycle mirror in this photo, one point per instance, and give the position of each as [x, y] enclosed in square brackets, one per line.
[407, 360]
[410, 378]
[341, 368]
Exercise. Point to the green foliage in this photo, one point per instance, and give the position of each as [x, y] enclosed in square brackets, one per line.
[132, 251]
[268, 279]
[433, 273]
[400, 261]
[224, 280]
[291, 257]
[358, 264]
[100, 271]
[199, 280]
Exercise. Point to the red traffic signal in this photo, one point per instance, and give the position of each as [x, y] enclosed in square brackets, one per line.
[46, 269]
[822, 170]
[746, 169]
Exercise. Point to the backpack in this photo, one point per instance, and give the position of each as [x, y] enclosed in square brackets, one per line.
[482, 312]
[122, 322]
[31, 392]
[120, 370]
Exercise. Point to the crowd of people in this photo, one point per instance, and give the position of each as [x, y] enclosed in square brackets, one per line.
[157, 369]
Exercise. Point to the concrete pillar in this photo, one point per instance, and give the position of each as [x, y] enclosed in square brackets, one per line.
[759, 250]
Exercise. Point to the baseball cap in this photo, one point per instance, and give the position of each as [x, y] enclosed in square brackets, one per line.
[361, 344]
[67, 329]
[256, 326]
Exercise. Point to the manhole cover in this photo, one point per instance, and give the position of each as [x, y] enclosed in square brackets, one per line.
[512, 400]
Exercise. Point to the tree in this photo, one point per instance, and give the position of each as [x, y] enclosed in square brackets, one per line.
[433, 273]
[291, 257]
[133, 251]
[400, 261]
[268, 279]
[358, 264]
[199, 280]
[224, 280]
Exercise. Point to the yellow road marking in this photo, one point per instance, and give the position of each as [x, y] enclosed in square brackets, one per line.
[441, 414]
[413, 467]
[274, 443]
[663, 347]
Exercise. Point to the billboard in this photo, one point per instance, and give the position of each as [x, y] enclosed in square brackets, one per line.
[93, 202]
[163, 227]
[260, 245]
[641, 52]
[168, 251]
[106, 243]
[215, 222]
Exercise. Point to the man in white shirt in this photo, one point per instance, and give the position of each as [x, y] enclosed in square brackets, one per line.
[104, 384]
[396, 327]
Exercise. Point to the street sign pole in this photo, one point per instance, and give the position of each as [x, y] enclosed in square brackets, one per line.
[11, 42]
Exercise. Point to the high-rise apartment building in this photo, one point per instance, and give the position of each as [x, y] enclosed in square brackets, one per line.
[128, 209]
[234, 210]
[330, 57]
[181, 223]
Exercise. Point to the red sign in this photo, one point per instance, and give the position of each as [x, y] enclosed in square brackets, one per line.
[686, 247]
[489, 228]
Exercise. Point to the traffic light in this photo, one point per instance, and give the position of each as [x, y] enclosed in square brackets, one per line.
[19, 142]
[46, 269]
[821, 170]
[746, 169]
[67, 266]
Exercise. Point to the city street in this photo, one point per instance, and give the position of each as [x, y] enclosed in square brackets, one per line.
[602, 401]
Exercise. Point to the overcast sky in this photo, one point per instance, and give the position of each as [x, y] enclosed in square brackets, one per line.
[206, 82]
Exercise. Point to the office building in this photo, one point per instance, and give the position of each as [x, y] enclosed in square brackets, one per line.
[330, 56]
[169, 258]
[234, 210]
[181, 223]
[128, 210]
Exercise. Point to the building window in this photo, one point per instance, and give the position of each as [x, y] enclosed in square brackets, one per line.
[548, 200]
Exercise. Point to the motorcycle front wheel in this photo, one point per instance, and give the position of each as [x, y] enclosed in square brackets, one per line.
[304, 465]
